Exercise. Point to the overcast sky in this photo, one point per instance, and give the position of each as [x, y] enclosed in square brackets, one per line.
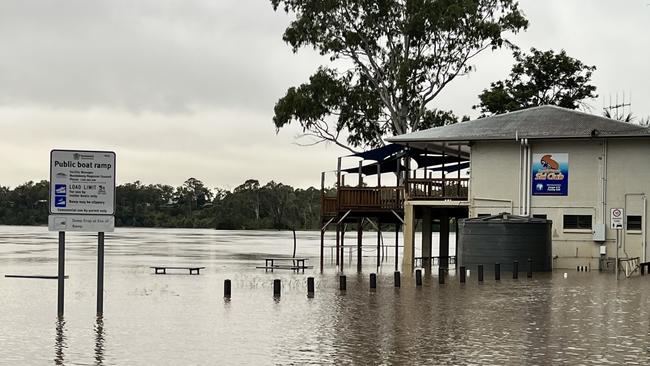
[186, 88]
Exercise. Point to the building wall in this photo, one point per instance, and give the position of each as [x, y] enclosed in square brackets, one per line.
[495, 174]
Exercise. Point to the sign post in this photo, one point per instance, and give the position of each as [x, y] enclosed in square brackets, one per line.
[82, 198]
[616, 218]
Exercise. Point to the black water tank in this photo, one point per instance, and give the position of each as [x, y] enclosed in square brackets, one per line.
[505, 238]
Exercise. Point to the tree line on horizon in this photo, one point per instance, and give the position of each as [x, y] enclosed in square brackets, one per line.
[191, 205]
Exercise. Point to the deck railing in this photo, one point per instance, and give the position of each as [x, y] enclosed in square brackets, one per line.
[328, 206]
[371, 198]
[392, 198]
[437, 188]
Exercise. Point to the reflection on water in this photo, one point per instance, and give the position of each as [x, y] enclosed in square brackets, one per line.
[59, 342]
[99, 341]
[587, 318]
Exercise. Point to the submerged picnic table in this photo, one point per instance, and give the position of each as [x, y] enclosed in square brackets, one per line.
[163, 269]
[296, 264]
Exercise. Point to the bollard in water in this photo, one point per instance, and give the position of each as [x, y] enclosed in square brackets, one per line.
[398, 281]
[497, 272]
[530, 268]
[310, 286]
[276, 288]
[577, 268]
[441, 276]
[418, 277]
[373, 281]
[226, 289]
[515, 270]
[342, 284]
[463, 273]
[480, 273]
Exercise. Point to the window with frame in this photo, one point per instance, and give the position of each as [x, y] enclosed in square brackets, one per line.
[634, 222]
[577, 221]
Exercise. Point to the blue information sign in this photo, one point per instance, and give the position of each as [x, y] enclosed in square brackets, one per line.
[550, 174]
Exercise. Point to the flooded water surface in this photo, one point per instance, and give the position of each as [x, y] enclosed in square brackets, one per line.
[178, 319]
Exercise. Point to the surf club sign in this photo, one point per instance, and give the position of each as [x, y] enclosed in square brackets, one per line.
[550, 174]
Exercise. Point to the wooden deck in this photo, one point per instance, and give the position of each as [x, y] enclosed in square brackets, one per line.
[387, 199]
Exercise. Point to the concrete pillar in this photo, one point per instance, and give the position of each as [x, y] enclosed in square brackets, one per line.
[444, 241]
[427, 225]
[409, 238]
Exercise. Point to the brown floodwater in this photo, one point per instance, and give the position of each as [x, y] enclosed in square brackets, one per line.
[177, 319]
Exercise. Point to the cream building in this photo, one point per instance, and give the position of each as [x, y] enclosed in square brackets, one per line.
[570, 167]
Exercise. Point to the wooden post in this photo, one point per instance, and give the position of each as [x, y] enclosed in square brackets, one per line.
[100, 274]
[480, 273]
[342, 260]
[342, 283]
[463, 274]
[378, 174]
[322, 248]
[373, 281]
[458, 178]
[418, 277]
[396, 244]
[397, 280]
[442, 172]
[360, 174]
[515, 270]
[61, 276]
[338, 240]
[530, 268]
[497, 272]
[338, 173]
[322, 220]
[441, 276]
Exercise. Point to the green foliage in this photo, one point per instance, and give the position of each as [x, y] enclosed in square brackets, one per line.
[401, 54]
[192, 205]
[539, 78]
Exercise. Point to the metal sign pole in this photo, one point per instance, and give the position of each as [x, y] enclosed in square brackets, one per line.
[61, 276]
[617, 231]
[100, 274]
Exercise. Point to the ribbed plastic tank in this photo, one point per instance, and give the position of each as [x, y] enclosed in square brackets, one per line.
[504, 239]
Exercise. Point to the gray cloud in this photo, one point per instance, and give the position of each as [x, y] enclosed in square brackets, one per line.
[187, 88]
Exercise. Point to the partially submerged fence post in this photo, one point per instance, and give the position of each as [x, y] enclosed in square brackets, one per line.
[342, 283]
[497, 272]
[515, 270]
[480, 273]
[310, 286]
[277, 286]
[373, 281]
[226, 289]
[418, 278]
[397, 280]
[441, 276]
[463, 273]
[530, 268]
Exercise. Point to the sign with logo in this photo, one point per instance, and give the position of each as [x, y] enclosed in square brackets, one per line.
[87, 223]
[616, 216]
[550, 174]
[82, 182]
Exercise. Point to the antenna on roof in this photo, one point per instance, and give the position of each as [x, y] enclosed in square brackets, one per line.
[617, 110]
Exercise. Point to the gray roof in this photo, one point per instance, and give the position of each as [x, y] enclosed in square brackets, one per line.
[544, 122]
